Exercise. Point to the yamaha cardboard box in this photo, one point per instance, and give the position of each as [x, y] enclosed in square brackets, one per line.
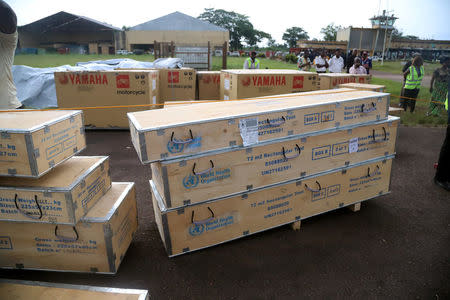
[119, 88]
[208, 83]
[177, 84]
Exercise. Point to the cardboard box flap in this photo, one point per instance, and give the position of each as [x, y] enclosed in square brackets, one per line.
[63, 176]
[181, 115]
[21, 121]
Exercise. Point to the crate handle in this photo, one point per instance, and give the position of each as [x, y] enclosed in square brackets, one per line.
[29, 214]
[371, 109]
[204, 171]
[276, 124]
[67, 239]
[373, 173]
[293, 156]
[313, 190]
[385, 136]
[203, 221]
[187, 141]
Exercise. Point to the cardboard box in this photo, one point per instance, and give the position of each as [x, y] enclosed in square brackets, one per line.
[241, 84]
[362, 78]
[169, 104]
[214, 222]
[62, 196]
[177, 84]
[222, 173]
[364, 87]
[34, 142]
[37, 290]
[186, 130]
[208, 83]
[97, 244]
[107, 88]
[329, 81]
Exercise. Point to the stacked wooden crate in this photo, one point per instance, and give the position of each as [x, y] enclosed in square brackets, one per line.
[221, 171]
[59, 211]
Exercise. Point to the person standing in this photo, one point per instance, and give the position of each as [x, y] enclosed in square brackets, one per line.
[366, 62]
[439, 87]
[8, 43]
[413, 78]
[351, 59]
[336, 62]
[321, 63]
[304, 63]
[442, 176]
[357, 68]
[406, 67]
[252, 62]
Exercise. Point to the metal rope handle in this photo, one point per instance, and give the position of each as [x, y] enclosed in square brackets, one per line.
[187, 141]
[203, 221]
[67, 239]
[385, 136]
[293, 156]
[27, 213]
[371, 109]
[276, 124]
[313, 190]
[204, 171]
[373, 173]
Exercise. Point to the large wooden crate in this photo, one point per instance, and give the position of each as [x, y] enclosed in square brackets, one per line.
[34, 142]
[186, 130]
[363, 87]
[107, 88]
[241, 84]
[62, 196]
[208, 85]
[333, 80]
[203, 177]
[96, 244]
[37, 290]
[214, 222]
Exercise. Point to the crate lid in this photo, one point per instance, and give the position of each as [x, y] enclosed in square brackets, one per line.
[30, 120]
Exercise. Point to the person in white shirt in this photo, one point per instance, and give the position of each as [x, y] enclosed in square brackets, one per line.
[336, 62]
[321, 63]
[8, 42]
[303, 62]
[357, 68]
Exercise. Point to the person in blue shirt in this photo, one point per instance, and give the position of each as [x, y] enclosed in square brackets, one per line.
[366, 62]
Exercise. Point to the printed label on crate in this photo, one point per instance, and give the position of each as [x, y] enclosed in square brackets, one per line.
[7, 150]
[353, 145]
[211, 223]
[50, 207]
[248, 129]
[191, 180]
[154, 84]
[226, 84]
[64, 244]
[60, 141]
[5, 243]
[193, 146]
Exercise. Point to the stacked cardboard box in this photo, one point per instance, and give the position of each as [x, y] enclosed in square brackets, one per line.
[59, 211]
[221, 171]
[121, 88]
[241, 84]
[208, 85]
[333, 80]
[177, 84]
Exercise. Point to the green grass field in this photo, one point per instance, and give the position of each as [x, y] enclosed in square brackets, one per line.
[395, 67]
[417, 118]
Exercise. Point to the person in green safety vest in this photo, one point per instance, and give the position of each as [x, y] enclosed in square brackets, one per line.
[413, 78]
[252, 62]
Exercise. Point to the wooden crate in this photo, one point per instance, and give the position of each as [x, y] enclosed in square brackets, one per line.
[214, 222]
[203, 177]
[363, 87]
[96, 244]
[37, 290]
[186, 130]
[241, 84]
[34, 142]
[208, 85]
[107, 88]
[62, 196]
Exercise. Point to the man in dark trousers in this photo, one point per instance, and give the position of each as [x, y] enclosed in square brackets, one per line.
[8, 42]
[442, 177]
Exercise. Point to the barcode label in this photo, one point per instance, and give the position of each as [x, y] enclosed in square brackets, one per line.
[154, 84]
[248, 129]
[227, 84]
[353, 145]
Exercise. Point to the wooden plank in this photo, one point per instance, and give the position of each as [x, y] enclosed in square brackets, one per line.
[355, 207]
[241, 84]
[32, 143]
[213, 222]
[363, 87]
[216, 126]
[107, 88]
[27, 290]
[62, 196]
[96, 244]
[202, 177]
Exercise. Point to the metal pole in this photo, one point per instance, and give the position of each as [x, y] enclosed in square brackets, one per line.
[209, 53]
[376, 42]
[384, 46]
[224, 56]
[389, 43]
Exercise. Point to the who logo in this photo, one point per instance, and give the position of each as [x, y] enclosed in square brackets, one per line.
[196, 229]
[175, 147]
[190, 181]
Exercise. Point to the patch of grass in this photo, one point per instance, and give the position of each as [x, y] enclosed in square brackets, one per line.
[238, 63]
[419, 116]
[395, 67]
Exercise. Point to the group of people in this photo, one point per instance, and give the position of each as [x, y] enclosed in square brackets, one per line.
[337, 63]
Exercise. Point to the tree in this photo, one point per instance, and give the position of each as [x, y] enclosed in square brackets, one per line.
[293, 34]
[398, 35]
[330, 32]
[240, 28]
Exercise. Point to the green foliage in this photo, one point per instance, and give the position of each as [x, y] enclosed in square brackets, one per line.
[330, 32]
[293, 34]
[291, 58]
[240, 28]
[262, 55]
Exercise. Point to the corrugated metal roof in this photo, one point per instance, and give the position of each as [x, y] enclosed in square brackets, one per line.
[177, 22]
